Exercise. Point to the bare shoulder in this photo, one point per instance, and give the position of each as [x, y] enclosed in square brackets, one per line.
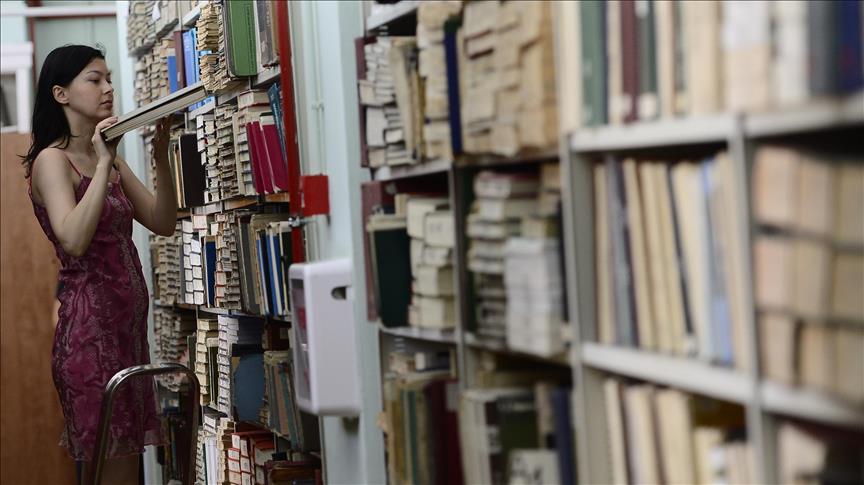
[51, 171]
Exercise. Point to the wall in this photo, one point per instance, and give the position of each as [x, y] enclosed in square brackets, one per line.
[30, 416]
[13, 30]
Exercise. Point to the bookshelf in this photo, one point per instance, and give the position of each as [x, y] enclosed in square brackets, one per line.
[730, 127]
[211, 284]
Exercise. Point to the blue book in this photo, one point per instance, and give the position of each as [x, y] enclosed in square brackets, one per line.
[276, 270]
[275, 95]
[190, 58]
[271, 275]
[173, 84]
[248, 386]
[850, 76]
[451, 56]
[209, 249]
[264, 274]
[721, 327]
[560, 401]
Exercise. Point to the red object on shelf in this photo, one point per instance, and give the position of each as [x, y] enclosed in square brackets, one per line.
[289, 121]
[315, 193]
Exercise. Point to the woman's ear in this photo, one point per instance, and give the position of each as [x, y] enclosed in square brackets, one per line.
[61, 94]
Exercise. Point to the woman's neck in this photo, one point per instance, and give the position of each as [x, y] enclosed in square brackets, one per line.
[82, 130]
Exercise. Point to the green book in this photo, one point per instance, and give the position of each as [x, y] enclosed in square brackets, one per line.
[592, 24]
[391, 268]
[239, 24]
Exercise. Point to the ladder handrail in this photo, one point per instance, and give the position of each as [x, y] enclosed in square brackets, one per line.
[108, 403]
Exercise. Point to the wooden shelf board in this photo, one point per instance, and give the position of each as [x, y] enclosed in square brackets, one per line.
[392, 13]
[679, 372]
[417, 170]
[817, 115]
[695, 130]
[810, 404]
[278, 197]
[239, 202]
[426, 334]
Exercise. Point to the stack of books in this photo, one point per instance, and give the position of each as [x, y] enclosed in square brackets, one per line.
[227, 151]
[656, 433]
[193, 259]
[209, 153]
[669, 259]
[227, 268]
[171, 330]
[209, 27]
[250, 106]
[808, 258]
[643, 60]
[515, 433]
[431, 229]
[536, 306]
[432, 68]
[422, 438]
[239, 338]
[206, 348]
[142, 94]
[478, 79]
[284, 417]
[384, 120]
[141, 27]
[168, 272]
[502, 200]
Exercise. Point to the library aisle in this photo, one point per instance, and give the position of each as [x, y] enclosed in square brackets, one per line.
[481, 242]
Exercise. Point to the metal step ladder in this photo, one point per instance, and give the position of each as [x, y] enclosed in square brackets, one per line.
[107, 408]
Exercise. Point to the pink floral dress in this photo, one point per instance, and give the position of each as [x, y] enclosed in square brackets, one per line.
[102, 328]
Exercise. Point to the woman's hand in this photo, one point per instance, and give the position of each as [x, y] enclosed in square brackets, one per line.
[105, 151]
[159, 143]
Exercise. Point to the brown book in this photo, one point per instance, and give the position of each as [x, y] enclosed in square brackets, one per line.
[815, 358]
[848, 223]
[630, 60]
[638, 251]
[847, 282]
[848, 368]
[773, 272]
[603, 262]
[816, 182]
[777, 347]
[775, 185]
[811, 278]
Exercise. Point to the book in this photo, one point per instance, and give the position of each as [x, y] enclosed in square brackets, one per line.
[149, 114]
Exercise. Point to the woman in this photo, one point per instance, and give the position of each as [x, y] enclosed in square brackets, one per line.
[85, 198]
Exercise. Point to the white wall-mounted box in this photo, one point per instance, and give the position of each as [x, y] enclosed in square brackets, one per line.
[324, 345]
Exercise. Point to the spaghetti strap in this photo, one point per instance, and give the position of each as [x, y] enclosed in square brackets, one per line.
[72, 165]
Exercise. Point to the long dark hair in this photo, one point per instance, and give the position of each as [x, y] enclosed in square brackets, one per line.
[49, 121]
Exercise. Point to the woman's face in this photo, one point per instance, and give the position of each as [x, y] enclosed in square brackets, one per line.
[91, 93]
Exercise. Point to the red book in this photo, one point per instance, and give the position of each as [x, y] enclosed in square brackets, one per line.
[260, 173]
[278, 167]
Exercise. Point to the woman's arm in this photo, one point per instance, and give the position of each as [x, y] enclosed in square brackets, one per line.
[74, 223]
[159, 213]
